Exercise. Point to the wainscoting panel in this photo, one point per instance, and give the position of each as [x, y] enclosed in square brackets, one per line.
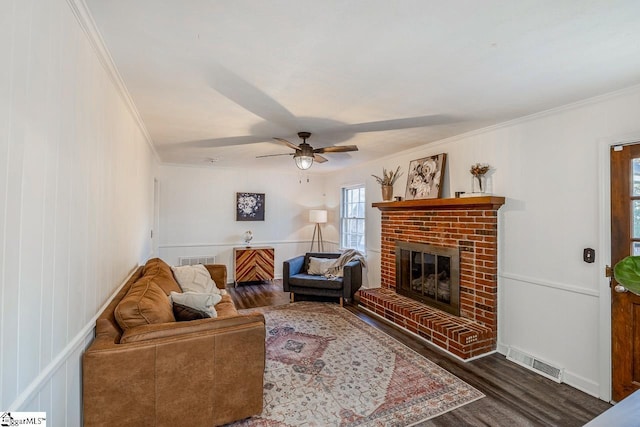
[534, 307]
[76, 184]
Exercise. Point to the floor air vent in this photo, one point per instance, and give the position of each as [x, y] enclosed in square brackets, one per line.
[193, 260]
[543, 368]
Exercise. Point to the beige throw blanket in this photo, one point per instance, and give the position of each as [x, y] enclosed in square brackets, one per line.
[336, 269]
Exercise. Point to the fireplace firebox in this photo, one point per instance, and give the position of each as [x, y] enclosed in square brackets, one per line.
[429, 274]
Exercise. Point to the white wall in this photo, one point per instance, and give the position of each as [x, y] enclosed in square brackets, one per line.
[75, 203]
[552, 169]
[197, 212]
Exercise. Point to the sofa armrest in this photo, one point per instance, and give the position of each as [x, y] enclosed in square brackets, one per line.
[352, 278]
[290, 268]
[218, 273]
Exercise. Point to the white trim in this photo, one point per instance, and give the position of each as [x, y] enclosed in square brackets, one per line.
[502, 349]
[582, 384]
[604, 238]
[30, 392]
[549, 284]
[217, 244]
[88, 25]
[344, 188]
[354, 185]
[387, 321]
[155, 223]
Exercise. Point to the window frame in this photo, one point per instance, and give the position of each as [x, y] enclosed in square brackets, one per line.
[343, 210]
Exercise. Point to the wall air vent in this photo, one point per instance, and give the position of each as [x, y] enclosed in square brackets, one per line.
[193, 260]
[541, 367]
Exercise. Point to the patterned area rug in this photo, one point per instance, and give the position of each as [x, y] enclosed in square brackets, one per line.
[326, 367]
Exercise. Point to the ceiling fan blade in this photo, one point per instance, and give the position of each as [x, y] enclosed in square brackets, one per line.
[274, 155]
[318, 158]
[336, 149]
[287, 143]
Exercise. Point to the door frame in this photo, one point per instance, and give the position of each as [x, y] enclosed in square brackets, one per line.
[155, 220]
[604, 237]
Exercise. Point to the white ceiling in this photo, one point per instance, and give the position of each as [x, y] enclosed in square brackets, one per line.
[220, 79]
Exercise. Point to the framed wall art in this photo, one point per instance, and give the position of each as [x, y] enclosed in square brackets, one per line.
[425, 176]
[249, 206]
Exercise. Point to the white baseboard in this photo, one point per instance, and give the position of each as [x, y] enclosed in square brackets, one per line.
[503, 349]
[582, 384]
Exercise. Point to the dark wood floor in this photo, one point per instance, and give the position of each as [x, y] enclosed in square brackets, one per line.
[515, 396]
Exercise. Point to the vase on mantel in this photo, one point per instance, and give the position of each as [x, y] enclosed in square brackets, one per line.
[479, 184]
[387, 193]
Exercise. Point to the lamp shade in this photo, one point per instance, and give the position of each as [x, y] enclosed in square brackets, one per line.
[318, 216]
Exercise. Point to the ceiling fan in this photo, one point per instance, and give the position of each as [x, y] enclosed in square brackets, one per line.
[306, 154]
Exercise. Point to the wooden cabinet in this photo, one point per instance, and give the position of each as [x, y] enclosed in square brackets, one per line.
[253, 264]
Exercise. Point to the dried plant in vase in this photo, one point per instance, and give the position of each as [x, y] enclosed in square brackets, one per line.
[478, 170]
[388, 178]
[386, 181]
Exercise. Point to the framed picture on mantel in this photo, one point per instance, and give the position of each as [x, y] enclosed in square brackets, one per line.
[249, 206]
[425, 176]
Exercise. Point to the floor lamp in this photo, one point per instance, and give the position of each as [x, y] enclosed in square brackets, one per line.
[317, 216]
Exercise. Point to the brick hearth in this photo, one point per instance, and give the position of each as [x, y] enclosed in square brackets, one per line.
[462, 337]
[471, 226]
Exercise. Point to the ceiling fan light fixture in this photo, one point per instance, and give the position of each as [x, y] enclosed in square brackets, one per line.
[304, 154]
[302, 160]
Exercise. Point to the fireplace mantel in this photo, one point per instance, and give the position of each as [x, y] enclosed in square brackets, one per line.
[482, 202]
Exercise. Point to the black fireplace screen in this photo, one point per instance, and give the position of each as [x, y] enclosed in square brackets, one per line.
[429, 274]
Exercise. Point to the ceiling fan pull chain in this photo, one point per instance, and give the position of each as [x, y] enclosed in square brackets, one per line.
[301, 177]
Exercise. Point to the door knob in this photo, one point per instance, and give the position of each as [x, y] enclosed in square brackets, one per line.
[620, 289]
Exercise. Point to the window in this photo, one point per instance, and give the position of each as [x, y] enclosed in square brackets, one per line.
[352, 218]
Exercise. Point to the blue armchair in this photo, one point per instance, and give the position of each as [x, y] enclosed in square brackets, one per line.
[296, 280]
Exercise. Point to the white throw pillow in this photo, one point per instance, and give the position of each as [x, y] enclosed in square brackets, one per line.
[319, 266]
[196, 278]
[198, 301]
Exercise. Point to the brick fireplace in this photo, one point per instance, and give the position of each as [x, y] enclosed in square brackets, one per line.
[468, 226]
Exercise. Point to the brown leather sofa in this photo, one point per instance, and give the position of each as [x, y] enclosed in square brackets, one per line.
[159, 372]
